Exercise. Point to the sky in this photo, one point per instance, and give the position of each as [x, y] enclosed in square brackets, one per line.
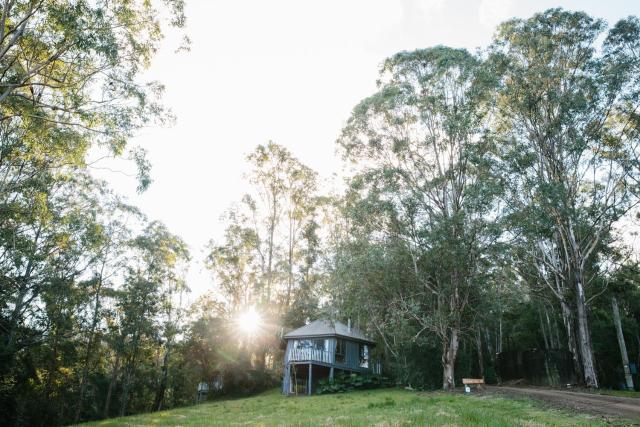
[291, 72]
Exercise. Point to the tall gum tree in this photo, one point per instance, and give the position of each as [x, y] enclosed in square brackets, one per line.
[69, 82]
[564, 106]
[263, 259]
[419, 148]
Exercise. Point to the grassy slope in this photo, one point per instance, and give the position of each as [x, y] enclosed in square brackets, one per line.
[390, 407]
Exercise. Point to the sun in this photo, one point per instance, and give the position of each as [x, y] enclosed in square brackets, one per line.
[249, 321]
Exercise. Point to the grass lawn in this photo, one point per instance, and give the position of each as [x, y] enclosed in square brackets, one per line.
[389, 407]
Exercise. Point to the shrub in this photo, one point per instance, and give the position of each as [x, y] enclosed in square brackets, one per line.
[383, 404]
[346, 382]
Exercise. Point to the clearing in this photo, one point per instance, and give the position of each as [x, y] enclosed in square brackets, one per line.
[386, 407]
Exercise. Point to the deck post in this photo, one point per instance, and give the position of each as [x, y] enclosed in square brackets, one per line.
[331, 374]
[310, 373]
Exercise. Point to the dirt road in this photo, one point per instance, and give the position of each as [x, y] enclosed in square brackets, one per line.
[626, 407]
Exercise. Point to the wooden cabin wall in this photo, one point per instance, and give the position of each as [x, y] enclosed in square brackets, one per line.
[351, 363]
[286, 377]
[352, 356]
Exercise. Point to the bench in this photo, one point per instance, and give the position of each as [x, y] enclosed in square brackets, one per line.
[479, 382]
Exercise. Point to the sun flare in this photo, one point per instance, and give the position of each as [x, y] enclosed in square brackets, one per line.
[249, 321]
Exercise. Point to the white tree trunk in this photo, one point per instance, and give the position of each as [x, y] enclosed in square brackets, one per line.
[544, 331]
[567, 320]
[449, 353]
[621, 343]
[584, 338]
[553, 330]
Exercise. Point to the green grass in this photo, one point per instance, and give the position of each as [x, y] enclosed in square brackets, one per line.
[389, 407]
[619, 393]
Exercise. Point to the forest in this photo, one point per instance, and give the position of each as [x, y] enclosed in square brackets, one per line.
[489, 204]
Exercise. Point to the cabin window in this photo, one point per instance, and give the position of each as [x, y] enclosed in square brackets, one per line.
[316, 344]
[364, 356]
[340, 350]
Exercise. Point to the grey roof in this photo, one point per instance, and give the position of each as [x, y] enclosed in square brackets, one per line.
[327, 328]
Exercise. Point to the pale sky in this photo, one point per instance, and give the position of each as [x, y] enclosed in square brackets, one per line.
[287, 71]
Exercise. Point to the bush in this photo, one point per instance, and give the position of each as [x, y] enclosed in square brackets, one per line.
[346, 382]
[387, 402]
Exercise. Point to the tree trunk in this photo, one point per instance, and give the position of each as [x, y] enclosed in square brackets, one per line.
[261, 357]
[567, 320]
[449, 353]
[14, 322]
[83, 380]
[112, 383]
[544, 332]
[128, 375]
[157, 405]
[584, 338]
[492, 354]
[126, 382]
[272, 230]
[553, 330]
[638, 347]
[88, 351]
[290, 263]
[621, 343]
[480, 353]
[52, 371]
[499, 336]
[23, 281]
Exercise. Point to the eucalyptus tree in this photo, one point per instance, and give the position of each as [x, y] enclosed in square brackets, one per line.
[301, 204]
[72, 66]
[422, 152]
[270, 242]
[282, 203]
[68, 82]
[305, 298]
[234, 262]
[280, 206]
[115, 220]
[270, 167]
[172, 306]
[622, 60]
[565, 107]
[53, 237]
[236, 269]
[45, 260]
[153, 275]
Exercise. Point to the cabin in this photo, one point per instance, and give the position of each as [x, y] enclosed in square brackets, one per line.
[322, 349]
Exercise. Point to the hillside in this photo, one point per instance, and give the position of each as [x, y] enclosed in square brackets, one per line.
[365, 408]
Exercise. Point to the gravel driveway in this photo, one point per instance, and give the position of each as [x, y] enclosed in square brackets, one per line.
[626, 407]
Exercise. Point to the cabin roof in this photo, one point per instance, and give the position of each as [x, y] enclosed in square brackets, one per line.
[327, 328]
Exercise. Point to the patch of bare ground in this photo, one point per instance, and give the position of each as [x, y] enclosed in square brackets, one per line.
[613, 409]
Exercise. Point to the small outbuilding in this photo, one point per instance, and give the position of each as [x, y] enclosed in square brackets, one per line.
[322, 349]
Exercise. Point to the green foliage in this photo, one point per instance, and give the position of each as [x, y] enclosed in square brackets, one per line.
[344, 382]
[564, 107]
[76, 302]
[424, 191]
[388, 401]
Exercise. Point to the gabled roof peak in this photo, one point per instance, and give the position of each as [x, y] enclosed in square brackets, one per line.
[328, 328]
